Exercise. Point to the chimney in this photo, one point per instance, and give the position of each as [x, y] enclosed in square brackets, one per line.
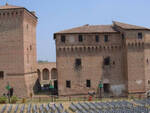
[33, 12]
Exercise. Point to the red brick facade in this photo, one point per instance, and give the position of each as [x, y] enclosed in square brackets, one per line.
[18, 50]
[117, 54]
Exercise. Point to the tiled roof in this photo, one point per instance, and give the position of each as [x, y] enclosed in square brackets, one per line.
[7, 6]
[102, 28]
[128, 26]
[90, 29]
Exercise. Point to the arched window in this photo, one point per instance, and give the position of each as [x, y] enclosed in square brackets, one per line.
[45, 74]
[54, 73]
[39, 74]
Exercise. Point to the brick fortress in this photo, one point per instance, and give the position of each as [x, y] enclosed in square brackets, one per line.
[117, 54]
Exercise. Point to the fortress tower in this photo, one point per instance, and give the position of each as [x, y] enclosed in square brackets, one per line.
[17, 50]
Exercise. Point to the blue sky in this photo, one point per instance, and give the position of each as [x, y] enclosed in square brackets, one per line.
[56, 15]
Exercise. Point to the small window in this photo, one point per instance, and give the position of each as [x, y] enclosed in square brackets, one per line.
[147, 61]
[68, 84]
[148, 81]
[88, 83]
[1, 75]
[122, 36]
[107, 61]
[30, 47]
[106, 38]
[78, 63]
[63, 38]
[80, 38]
[140, 36]
[97, 38]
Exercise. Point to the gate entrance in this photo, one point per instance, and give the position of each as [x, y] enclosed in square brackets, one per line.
[106, 88]
[55, 87]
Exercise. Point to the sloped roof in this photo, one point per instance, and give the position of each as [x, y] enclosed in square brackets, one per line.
[90, 29]
[7, 6]
[129, 26]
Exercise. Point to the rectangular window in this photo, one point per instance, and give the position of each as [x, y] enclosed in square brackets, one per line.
[148, 81]
[97, 38]
[105, 38]
[122, 36]
[1, 75]
[68, 84]
[107, 61]
[88, 83]
[140, 36]
[78, 63]
[80, 38]
[63, 38]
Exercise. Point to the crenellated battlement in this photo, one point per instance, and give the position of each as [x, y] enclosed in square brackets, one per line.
[135, 44]
[89, 48]
[11, 13]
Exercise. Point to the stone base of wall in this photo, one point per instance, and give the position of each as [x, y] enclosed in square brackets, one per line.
[84, 91]
[22, 84]
[137, 95]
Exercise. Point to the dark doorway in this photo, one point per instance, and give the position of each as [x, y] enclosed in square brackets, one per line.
[1, 75]
[55, 84]
[106, 88]
[55, 87]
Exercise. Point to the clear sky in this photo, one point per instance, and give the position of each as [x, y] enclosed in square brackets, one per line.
[56, 15]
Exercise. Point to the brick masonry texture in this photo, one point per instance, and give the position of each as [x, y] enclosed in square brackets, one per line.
[128, 71]
[18, 50]
[127, 48]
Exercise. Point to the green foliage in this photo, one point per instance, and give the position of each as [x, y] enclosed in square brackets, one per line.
[3, 100]
[14, 99]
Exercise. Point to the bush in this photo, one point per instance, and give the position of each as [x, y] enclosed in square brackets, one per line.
[3, 100]
[14, 99]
